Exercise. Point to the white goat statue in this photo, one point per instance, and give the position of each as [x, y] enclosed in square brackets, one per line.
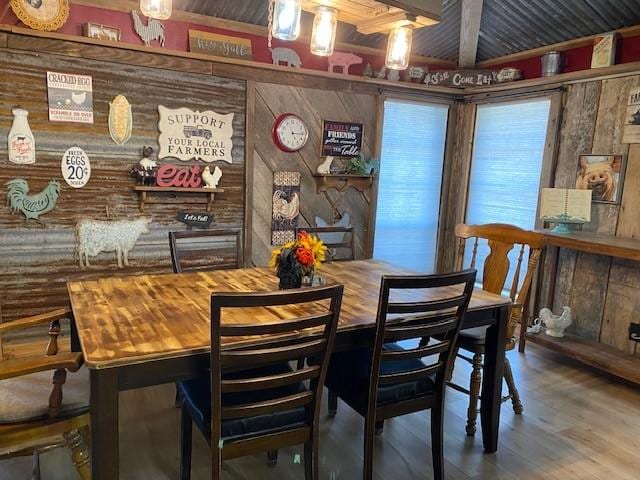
[120, 236]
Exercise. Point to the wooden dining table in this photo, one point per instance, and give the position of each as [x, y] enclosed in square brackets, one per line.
[139, 331]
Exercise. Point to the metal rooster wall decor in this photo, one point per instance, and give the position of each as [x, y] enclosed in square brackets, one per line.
[32, 206]
[153, 30]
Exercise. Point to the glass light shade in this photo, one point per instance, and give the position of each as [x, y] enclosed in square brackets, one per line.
[160, 9]
[286, 19]
[399, 48]
[323, 36]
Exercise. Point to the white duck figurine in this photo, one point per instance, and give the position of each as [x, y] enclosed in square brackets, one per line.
[556, 324]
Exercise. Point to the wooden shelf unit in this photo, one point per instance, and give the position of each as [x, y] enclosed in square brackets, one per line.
[342, 181]
[144, 190]
[610, 245]
[594, 354]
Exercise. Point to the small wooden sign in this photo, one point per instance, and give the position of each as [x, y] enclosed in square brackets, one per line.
[471, 78]
[604, 51]
[341, 139]
[197, 220]
[219, 45]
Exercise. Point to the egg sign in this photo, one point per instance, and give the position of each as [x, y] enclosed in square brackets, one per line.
[76, 167]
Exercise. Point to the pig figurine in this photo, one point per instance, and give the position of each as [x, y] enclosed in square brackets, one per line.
[344, 60]
[287, 55]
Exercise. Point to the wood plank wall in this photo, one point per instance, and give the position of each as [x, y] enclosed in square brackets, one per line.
[313, 106]
[604, 293]
[36, 261]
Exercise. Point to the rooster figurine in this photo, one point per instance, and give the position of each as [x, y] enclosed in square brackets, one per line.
[211, 180]
[556, 324]
[32, 206]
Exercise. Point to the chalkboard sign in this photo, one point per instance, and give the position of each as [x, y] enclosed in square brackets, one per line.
[341, 139]
[198, 220]
[219, 45]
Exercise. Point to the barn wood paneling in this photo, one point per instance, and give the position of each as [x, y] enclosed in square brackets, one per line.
[313, 106]
[38, 260]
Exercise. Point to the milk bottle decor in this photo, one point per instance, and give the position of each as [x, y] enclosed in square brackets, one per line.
[21, 144]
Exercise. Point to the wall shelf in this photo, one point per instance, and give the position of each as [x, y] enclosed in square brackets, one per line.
[144, 190]
[342, 182]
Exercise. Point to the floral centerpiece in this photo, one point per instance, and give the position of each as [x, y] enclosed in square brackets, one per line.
[298, 259]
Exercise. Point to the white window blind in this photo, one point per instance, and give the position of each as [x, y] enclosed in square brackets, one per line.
[413, 141]
[506, 168]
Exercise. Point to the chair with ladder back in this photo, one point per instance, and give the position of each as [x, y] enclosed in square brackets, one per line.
[254, 401]
[501, 239]
[334, 239]
[387, 379]
[199, 250]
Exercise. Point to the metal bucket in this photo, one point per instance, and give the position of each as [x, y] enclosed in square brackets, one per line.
[551, 63]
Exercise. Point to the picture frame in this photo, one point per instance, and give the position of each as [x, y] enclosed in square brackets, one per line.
[44, 15]
[603, 175]
[102, 32]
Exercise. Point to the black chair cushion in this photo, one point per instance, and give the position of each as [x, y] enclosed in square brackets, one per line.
[349, 374]
[473, 339]
[196, 395]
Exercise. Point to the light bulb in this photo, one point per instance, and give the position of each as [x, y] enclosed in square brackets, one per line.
[323, 36]
[399, 48]
[160, 9]
[286, 19]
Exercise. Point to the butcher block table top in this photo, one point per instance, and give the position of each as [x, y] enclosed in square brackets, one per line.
[128, 320]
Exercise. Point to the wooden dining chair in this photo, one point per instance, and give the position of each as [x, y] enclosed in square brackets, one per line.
[387, 380]
[328, 234]
[254, 401]
[35, 416]
[198, 250]
[501, 239]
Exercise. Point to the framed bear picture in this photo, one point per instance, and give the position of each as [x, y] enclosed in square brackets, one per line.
[603, 175]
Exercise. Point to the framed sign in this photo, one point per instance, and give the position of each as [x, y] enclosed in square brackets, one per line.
[219, 45]
[631, 130]
[341, 139]
[76, 167]
[44, 15]
[603, 175]
[192, 135]
[102, 32]
[70, 97]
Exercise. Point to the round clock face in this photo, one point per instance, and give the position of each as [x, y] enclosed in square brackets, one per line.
[290, 133]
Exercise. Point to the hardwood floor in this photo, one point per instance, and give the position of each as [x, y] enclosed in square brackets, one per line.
[577, 425]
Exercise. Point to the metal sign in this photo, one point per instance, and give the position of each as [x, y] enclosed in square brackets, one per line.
[76, 167]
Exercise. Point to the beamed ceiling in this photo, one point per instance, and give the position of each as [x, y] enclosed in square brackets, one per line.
[507, 26]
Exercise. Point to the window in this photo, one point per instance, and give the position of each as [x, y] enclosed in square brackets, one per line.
[413, 141]
[506, 167]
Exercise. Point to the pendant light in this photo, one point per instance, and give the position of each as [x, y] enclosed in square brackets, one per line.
[323, 36]
[399, 48]
[160, 9]
[285, 21]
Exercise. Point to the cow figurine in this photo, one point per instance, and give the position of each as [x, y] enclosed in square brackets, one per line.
[286, 55]
[344, 60]
[120, 236]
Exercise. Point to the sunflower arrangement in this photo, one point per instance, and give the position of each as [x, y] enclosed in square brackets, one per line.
[297, 259]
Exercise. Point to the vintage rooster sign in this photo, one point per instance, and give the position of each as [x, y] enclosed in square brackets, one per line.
[32, 206]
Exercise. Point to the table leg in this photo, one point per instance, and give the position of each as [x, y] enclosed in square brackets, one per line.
[104, 424]
[492, 380]
[75, 339]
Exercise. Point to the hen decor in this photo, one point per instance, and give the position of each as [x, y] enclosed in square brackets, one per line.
[295, 262]
[119, 236]
[286, 207]
[192, 135]
[120, 120]
[35, 205]
[20, 142]
[152, 31]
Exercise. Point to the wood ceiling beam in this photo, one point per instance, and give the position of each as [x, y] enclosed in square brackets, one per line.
[248, 28]
[469, 33]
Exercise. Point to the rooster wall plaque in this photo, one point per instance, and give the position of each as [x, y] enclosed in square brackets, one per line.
[32, 206]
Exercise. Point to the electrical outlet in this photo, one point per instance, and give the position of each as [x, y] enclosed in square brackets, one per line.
[634, 332]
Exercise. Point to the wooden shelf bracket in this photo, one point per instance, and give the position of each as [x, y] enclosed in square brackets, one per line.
[342, 182]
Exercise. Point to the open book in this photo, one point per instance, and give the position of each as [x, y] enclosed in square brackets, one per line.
[565, 205]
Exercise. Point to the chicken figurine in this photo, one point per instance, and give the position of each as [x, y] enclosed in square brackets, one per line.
[556, 324]
[211, 180]
[32, 206]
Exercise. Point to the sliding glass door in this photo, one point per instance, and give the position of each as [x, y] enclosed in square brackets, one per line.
[413, 143]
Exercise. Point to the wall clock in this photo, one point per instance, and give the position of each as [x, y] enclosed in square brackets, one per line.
[289, 132]
[44, 15]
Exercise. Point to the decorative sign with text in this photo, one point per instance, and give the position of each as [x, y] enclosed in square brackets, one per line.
[631, 130]
[76, 168]
[197, 220]
[219, 45]
[471, 78]
[341, 139]
[70, 97]
[184, 177]
[188, 135]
